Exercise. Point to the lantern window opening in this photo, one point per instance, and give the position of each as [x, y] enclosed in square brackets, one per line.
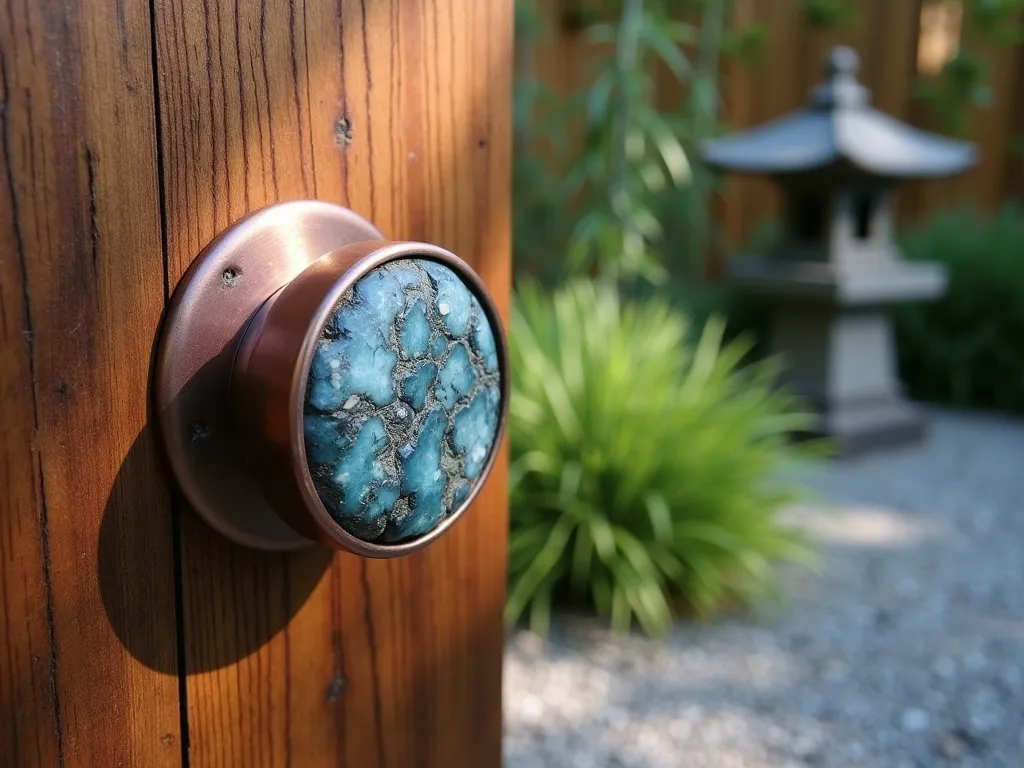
[863, 213]
[809, 216]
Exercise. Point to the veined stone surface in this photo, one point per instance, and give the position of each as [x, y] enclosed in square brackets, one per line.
[402, 401]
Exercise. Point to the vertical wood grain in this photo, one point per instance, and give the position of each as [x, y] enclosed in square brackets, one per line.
[400, 109]
[773, 87]
[87, 673]
[890, 71]
[733, 207]
[889, 59]
[1014, 180]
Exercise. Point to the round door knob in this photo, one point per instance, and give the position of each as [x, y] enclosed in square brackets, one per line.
[315, 382]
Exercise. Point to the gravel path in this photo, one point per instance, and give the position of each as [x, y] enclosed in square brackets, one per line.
[906, 650]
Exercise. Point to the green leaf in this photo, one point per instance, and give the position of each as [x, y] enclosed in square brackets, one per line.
[598, 99]
[539, 569]
[666, 48]
[601, 33]
[660, 515]
[669, 148]
[680, 32]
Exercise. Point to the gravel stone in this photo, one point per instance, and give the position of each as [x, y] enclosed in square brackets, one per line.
[952, 747]
[916, 721]
[907, 648]
[944, 667]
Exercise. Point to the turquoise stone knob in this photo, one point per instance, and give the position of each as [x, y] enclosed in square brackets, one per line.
[316, 382]
[402, 401]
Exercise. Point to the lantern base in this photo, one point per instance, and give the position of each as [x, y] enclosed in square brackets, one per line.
[858, 428]
[841, 360]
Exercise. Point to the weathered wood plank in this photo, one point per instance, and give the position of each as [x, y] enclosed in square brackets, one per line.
[401, 110]
[87, 653]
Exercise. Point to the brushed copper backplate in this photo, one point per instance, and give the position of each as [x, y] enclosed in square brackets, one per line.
[208, 313]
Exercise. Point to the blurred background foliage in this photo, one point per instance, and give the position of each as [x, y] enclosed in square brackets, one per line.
[963, 82]
[965, 349]
[606, 178]
[606, 182]
[646, 434]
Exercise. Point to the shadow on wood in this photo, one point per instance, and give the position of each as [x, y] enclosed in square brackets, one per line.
[126, 591]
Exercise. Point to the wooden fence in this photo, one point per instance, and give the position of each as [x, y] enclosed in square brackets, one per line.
[889, 37]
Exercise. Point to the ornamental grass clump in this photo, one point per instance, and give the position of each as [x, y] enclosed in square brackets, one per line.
[648, 462]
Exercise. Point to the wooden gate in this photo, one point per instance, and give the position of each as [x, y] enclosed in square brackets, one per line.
[132, 133]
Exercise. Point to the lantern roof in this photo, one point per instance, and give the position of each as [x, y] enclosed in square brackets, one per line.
[839, 126]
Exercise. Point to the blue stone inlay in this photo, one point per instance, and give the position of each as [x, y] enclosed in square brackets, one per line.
[483, 338]
[423, 480]
[415, 331]
[324, 389]
[416, 386]
[364, 490]
[324, 437]
[402, 401]
[361, 360]
[473, 425]
[456, 378]
[454, 301]
[461, 493]
[438, 347]
[406, 274]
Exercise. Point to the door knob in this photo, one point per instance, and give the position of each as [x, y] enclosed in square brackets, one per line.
[315, 382]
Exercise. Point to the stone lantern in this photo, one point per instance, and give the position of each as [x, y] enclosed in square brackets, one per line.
[836, 269]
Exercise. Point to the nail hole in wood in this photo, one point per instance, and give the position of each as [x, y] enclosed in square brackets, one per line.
[343, 132]
[334, 690]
